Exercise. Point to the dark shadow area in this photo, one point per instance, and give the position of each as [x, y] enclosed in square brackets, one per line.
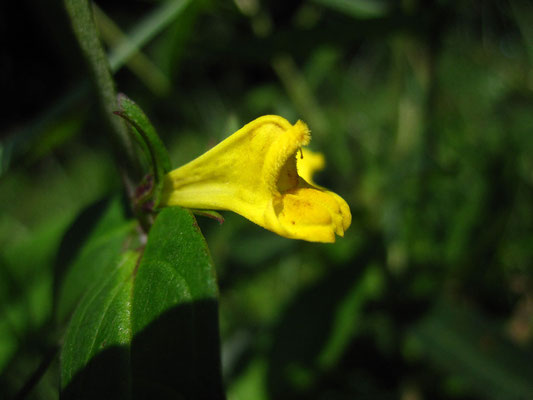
[106, 376]
[306, 324]
[44, 69]
[179, 353]
[177, 356]
[30, 362]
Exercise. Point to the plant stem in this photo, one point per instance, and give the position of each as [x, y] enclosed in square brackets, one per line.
[81, 17]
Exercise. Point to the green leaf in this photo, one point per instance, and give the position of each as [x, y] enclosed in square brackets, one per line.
[252, 383]
[95, 359]
[90, 249]
[150, 26]
[174, 312]
[148, 139]
[151, 332]
[209, 214]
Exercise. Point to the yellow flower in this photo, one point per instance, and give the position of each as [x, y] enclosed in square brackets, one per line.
[308, 163]
[253, 173]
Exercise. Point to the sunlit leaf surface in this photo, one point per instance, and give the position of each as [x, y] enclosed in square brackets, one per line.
[150, 326]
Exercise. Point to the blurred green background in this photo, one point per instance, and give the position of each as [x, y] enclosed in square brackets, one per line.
[424, 111]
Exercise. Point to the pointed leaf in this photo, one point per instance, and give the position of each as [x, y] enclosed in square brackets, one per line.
[150, 331]
[174, 314]
[95, 359]
[89, 249]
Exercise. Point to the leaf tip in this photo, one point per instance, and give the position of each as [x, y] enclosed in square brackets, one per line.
[121, 97]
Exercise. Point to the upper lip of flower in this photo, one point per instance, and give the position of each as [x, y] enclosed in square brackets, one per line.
[281, 156]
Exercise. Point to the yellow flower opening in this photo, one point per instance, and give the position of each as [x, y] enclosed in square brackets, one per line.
[254, 173]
